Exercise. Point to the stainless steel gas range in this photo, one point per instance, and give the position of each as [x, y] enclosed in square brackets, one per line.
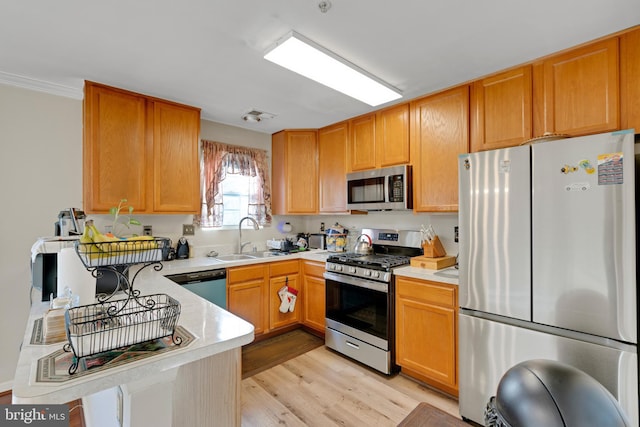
[360, 294]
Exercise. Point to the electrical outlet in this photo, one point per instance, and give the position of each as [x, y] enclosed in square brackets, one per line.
[146, 230]
[455, 234]
[188, 230]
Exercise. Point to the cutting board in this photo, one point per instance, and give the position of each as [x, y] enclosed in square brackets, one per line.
[433, 263]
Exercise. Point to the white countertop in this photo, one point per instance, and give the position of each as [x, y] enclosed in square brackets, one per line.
[446, 275]
[179, 266]
[215, 330]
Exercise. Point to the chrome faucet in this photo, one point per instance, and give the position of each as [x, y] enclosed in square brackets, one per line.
[255, 227]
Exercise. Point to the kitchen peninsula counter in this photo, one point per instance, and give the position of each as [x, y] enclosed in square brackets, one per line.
[209, 366]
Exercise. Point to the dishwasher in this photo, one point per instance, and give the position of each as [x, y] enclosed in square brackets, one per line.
[208, 284]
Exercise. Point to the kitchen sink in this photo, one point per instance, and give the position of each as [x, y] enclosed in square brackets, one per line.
[250, 255]
[450, 273]
[234, 257]
[260, 254]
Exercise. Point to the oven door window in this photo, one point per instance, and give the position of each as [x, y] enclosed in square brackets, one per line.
[364, 309]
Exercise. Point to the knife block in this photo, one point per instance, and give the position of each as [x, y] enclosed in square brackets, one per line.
[433, 249]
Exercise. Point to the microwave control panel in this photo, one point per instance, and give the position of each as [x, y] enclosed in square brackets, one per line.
[396, 188]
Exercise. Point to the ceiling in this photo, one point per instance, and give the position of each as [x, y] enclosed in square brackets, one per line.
[208, 53]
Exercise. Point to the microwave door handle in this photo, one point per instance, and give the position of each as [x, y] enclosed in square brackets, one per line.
[387, 188]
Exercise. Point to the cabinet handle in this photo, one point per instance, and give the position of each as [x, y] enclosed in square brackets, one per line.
[350, 344]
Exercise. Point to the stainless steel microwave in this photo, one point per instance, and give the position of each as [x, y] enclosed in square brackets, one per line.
[380, 189]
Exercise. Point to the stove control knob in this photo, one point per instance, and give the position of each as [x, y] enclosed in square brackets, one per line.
[339, 267]
[376, 274]
[367, 272]
[352, 270]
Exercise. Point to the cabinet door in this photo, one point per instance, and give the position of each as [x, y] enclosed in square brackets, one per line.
[332, 168]
[426, 332]
[247, 289]
[114, 149]
[277, 319]
[247, 300]
[314, 296]
[295, 172]
[439, 133]
[392, 136]
[176, 172]
[501, 114]
[581, 90]
[630, 80]
[362, 140]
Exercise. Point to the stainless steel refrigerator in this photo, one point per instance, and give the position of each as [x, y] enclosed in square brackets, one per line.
[548, 264]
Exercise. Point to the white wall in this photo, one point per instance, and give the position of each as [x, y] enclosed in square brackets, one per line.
[41, 174]
[442, 223]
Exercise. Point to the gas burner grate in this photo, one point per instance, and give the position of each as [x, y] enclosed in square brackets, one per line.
[371, 261]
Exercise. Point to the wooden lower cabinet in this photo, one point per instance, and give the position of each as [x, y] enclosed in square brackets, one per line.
[427, 332]
[313, 286]
[247, 290]
[252, 294]
[281, 274]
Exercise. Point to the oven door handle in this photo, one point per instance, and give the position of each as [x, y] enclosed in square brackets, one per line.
[352, 345]
[357, 281]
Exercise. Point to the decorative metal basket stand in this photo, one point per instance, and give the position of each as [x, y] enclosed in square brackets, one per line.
[114, 323]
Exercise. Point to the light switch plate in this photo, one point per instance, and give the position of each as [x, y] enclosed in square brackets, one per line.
[188, 229]
[147, 230]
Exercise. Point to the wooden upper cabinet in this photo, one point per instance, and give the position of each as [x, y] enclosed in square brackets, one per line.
[579, 93]
[630, 80]
[294, 172]
[392, 136]
[176, 174]
[115, 154]
[501, 110]
[439, 133]
[332, 168]
[141, 149]
[362, 142]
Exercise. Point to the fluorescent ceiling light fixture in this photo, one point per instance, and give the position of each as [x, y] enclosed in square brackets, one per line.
[303, 56]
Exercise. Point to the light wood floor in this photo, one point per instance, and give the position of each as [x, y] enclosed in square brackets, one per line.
[322, 388]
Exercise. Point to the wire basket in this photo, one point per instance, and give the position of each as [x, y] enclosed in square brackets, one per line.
[124, 252]
[101, 327]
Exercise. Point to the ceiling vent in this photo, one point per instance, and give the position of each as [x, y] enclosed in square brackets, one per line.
[256, 116]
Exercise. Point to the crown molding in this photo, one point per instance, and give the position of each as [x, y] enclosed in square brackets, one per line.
[40, 86]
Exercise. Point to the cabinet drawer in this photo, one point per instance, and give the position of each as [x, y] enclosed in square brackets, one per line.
[243, 274]
[313, 268]
[283, 268]
[431, 292]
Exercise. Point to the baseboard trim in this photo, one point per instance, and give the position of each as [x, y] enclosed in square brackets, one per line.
[6, 386]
